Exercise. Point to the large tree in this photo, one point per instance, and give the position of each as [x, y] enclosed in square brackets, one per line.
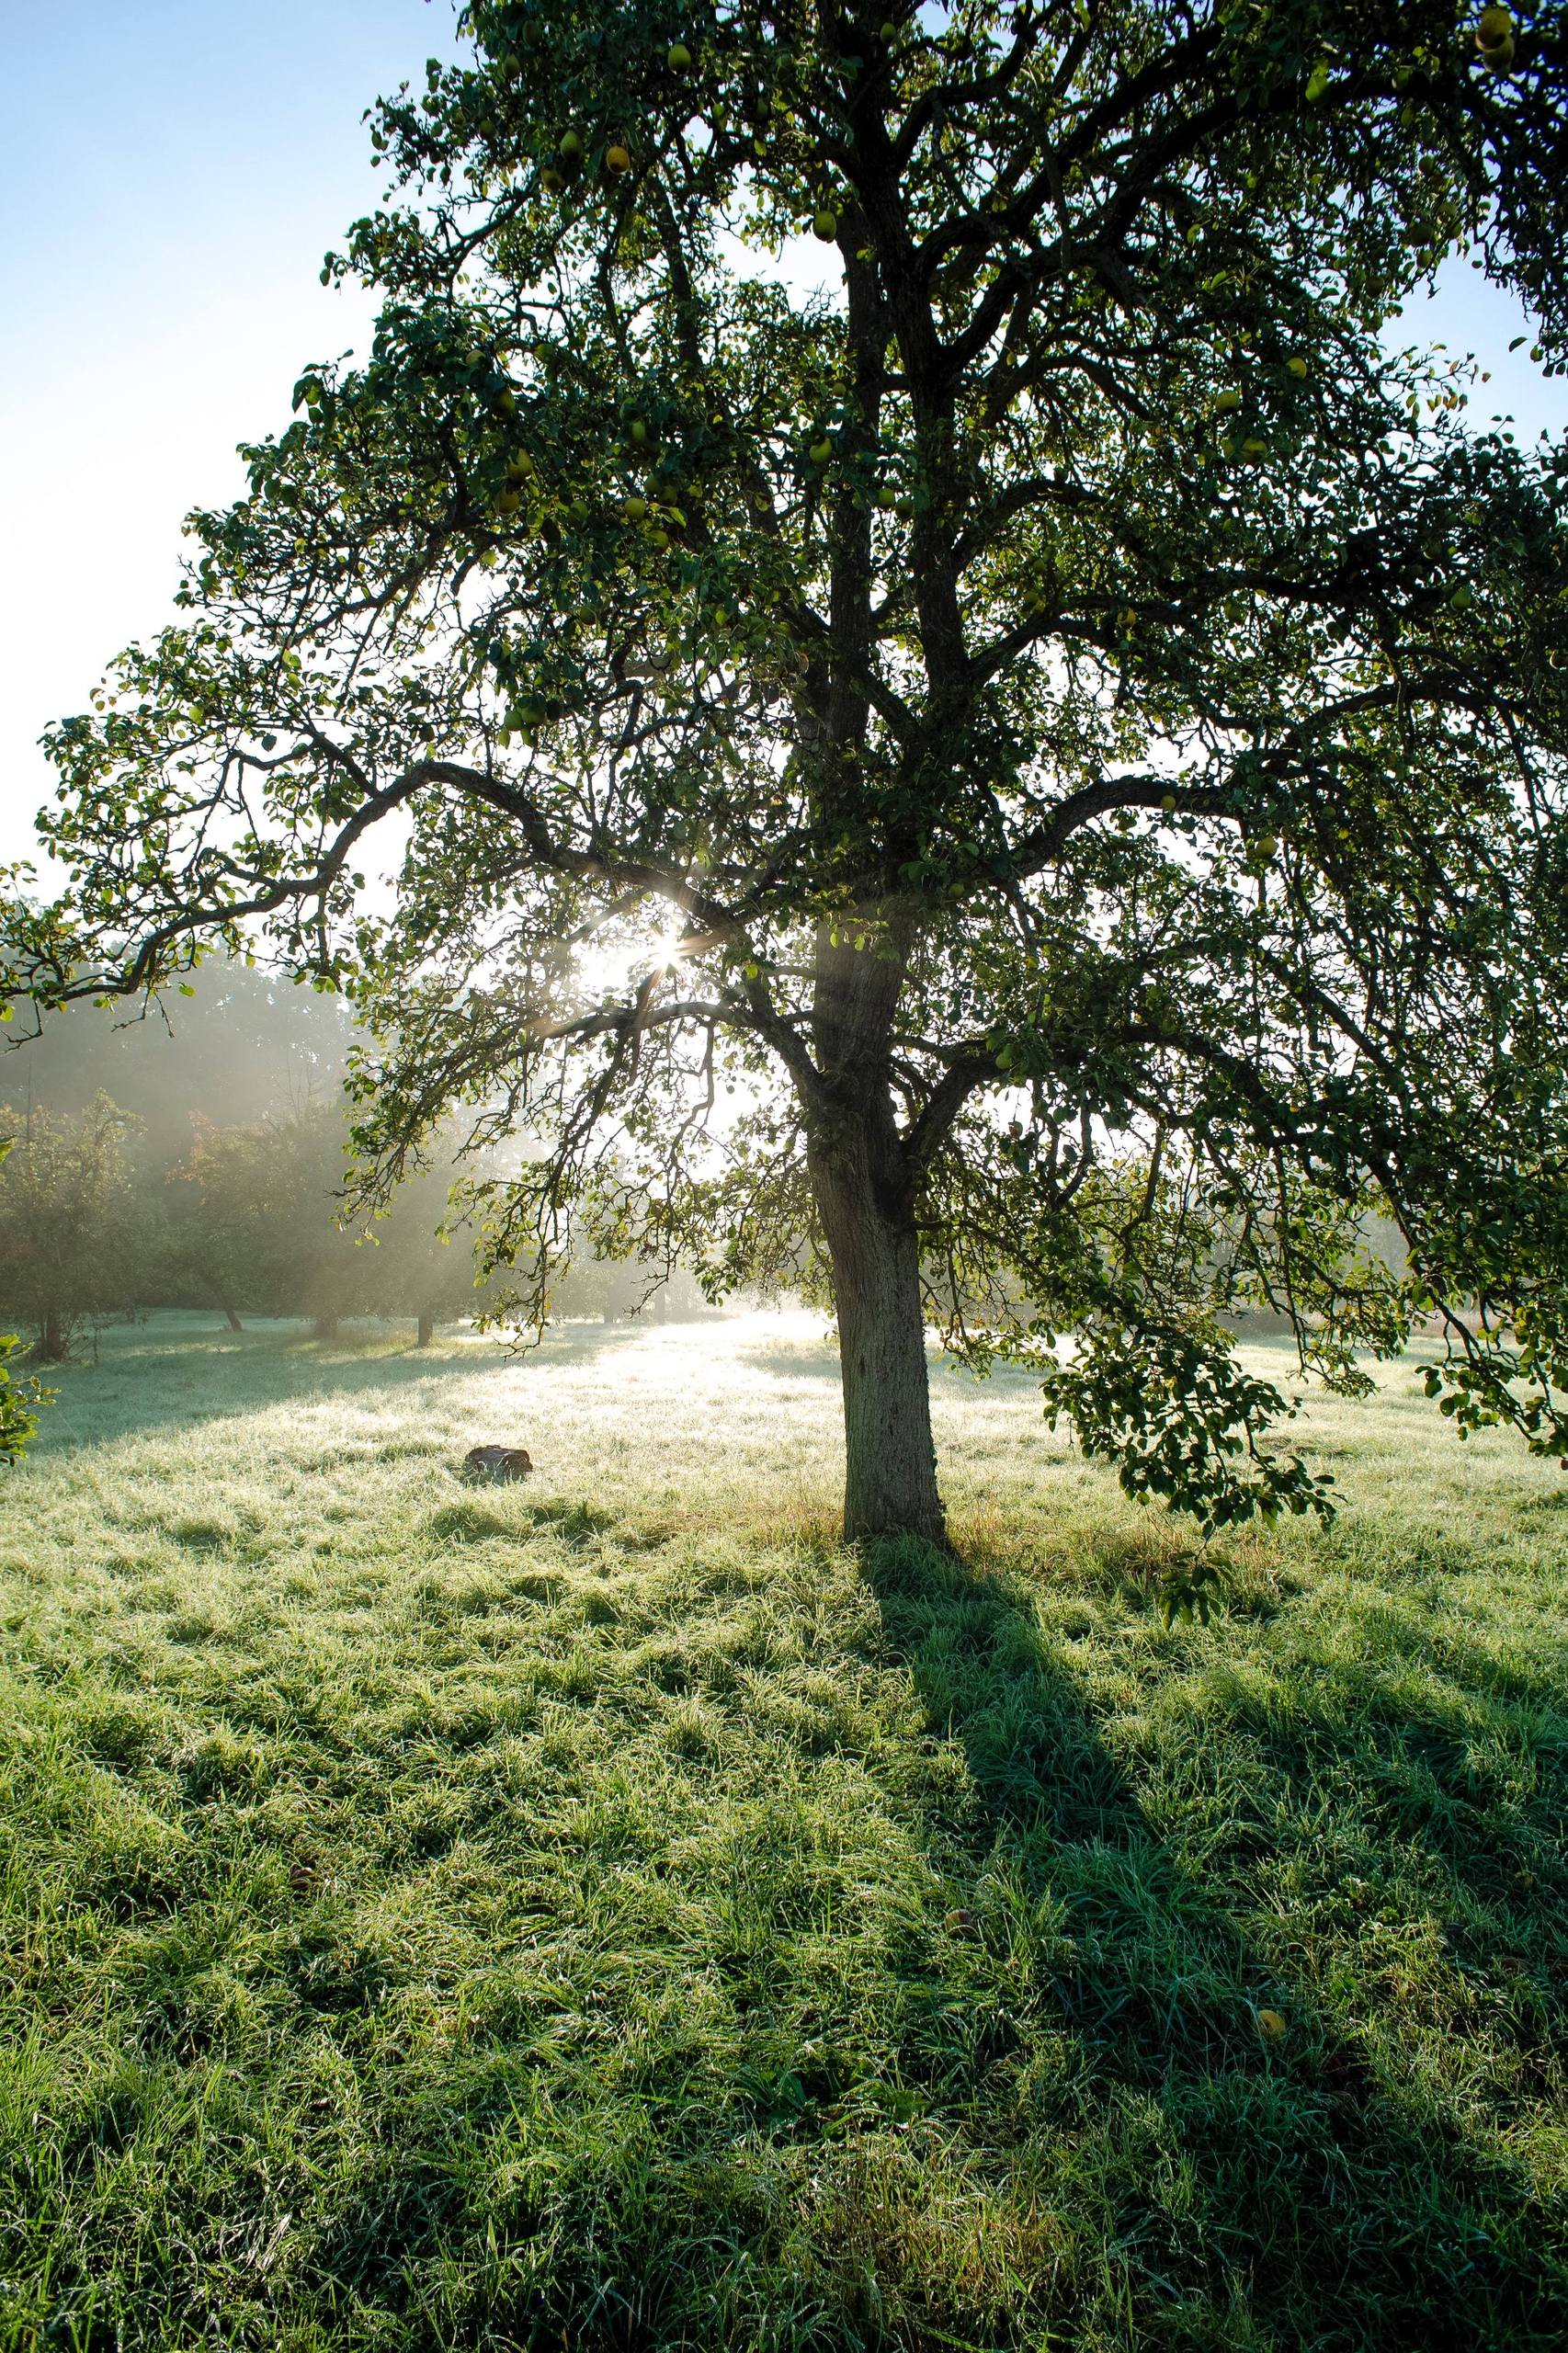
[1036, 762]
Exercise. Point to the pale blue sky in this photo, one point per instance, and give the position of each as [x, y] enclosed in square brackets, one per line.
[171, 173]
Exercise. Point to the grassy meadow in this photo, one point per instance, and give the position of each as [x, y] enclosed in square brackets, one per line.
[603, 1912]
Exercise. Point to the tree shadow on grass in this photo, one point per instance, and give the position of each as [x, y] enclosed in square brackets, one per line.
[1263, 2175]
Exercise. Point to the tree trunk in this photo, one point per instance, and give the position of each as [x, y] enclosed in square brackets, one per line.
[232, 1320]
[53, 1340]
[427, 1331]
[889, 1459]
[325, 1327]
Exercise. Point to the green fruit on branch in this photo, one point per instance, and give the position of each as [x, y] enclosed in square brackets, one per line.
[571, 147]
[1227, 400]
[1297, 367]
[1495, 39]
[635, 509]
[886, 498]
[550, 181]
[825, 225]
[678, 58]
[638, 432]
[820, 452]
[618, 158]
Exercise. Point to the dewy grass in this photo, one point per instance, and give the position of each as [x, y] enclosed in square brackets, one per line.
[601, 1912]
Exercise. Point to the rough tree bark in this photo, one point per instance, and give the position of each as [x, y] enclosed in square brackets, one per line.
[232, 1320]
[427, 1331]
[889, 1459]
[863, 1185]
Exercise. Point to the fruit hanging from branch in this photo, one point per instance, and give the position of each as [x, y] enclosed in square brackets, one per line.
[1494, 38]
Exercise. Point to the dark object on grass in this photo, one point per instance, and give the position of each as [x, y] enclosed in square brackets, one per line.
[497, 1462]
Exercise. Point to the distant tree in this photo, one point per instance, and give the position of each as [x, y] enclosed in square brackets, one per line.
[423, 1262]
[226, 1219]
[614, 1288]
[18, 1420]
[1064, 721]
[264, 1228]
[65, 1254]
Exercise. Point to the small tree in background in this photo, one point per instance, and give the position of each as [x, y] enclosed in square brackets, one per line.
[65, 1244]
[19, 1421]
[420, 1263]
[260, 1228]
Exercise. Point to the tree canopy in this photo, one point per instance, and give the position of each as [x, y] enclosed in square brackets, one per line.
[1032, 760]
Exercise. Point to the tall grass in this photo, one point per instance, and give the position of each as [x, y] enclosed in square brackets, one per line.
[604, 1913]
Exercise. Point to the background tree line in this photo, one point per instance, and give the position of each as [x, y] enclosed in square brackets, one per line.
[200, 1162]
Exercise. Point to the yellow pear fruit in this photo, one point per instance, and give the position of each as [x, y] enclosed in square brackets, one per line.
[1271, 2025]
[618, 158]
[1297, 367]
[1493, 28]
[1228, 400]
[678, 58]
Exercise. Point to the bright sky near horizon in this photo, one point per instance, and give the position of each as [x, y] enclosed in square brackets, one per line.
[171, 177]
